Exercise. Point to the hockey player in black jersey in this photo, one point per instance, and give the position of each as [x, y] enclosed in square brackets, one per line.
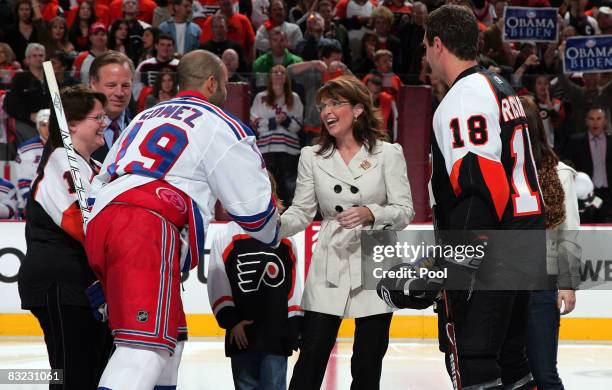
[255, 293]
[483, 178]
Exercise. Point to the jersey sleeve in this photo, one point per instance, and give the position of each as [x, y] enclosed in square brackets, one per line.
[297, 285]
[219, 288]
[8, 200]
[56, 195]
[25, 170]
[468, 135]
[238, 177]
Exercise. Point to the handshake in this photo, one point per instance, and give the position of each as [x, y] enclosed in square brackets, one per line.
[411, 286]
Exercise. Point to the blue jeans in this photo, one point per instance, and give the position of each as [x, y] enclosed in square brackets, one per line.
[543, 339]
[259, 371]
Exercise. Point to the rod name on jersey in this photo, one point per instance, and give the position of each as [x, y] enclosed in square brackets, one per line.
[180, 112]
[512, 108]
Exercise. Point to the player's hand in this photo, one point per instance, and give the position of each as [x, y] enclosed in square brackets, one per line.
[532, 60]
[97, 301]
[280, 118]
[567, 298]
[562, 51]
[319, 65]
[238, 334]
[355, 216]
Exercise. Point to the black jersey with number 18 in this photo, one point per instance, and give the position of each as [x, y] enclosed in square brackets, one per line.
[483, 174]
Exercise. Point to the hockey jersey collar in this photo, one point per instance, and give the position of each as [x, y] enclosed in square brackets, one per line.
[467, 72]
[190, 93]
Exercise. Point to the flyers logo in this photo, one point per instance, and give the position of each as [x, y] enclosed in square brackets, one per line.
[257, 268]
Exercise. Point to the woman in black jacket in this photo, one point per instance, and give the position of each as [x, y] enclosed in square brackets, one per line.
[55, 273]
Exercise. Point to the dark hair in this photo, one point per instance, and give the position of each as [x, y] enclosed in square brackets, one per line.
[537, 135]
[77, 102]
[75, 29]
[160, 78]
[16, 9]
[110, 57]
[271, 97]
[457, 28]
[112, 32]
[595, 107]
[327, 50]
[66, 59]
[164, 36]
[367, 128]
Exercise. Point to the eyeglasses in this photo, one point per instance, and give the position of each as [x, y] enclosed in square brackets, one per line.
[101, 118]
[332, 104]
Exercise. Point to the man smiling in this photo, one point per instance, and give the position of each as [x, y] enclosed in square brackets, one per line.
[111, 74]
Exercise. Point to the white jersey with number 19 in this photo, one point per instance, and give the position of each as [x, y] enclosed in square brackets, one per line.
[201, 150]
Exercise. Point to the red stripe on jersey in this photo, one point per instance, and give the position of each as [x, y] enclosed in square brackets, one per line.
[495, 178]
[225, 298]
[230, 247]
[294, 308]
[454, 176]
[287, 242]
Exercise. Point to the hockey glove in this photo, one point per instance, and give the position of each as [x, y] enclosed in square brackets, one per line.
[97, 301]
[404, 288]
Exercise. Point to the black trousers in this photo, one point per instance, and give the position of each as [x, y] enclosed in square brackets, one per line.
[491, 334]
[76, 342]
[283, 167]
[318, 339]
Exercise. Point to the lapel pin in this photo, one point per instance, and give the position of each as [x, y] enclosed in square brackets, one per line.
[365, 164]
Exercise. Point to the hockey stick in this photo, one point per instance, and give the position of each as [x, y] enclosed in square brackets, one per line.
[65, 132]
[449, 327]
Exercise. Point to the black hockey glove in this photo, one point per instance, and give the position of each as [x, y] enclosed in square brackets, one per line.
[409, 286]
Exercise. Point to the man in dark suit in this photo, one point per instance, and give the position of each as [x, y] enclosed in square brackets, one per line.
[591, 153]
[112, 74]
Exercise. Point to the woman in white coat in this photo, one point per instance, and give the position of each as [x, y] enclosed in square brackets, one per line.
[357, 181]
[557, 182]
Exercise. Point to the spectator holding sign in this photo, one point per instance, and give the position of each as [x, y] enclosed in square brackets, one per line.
[582, 97]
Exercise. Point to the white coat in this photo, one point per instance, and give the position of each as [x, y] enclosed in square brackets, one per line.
[378, 181]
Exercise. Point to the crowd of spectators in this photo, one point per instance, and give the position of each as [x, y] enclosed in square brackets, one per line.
[284, 51]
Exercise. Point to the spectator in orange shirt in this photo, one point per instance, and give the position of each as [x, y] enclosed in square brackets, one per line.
[146, 8]
[383, 63]
[239, 29]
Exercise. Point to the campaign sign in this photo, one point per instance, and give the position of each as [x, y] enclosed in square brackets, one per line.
[591, 54]
[530, 24]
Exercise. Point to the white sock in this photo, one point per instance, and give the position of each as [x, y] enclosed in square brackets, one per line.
[131, 368]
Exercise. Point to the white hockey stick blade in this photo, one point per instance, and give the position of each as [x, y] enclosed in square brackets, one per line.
[65, 132]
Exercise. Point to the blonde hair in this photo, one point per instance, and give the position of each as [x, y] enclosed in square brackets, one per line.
[9, 55]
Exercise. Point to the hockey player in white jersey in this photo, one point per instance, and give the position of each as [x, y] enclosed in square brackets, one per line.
[8, 200]
[28, 157]
[164, 174]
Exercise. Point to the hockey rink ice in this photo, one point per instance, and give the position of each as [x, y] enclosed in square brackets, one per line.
[408, 365]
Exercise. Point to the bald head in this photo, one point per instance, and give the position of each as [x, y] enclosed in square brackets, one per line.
[230, 59]
[201, 70]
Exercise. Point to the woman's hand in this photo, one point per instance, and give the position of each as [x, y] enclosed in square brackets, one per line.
[568, 298]
[354, 217]
[238, 335]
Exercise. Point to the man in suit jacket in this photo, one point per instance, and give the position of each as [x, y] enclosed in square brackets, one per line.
[112, 74]
[591, 153]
